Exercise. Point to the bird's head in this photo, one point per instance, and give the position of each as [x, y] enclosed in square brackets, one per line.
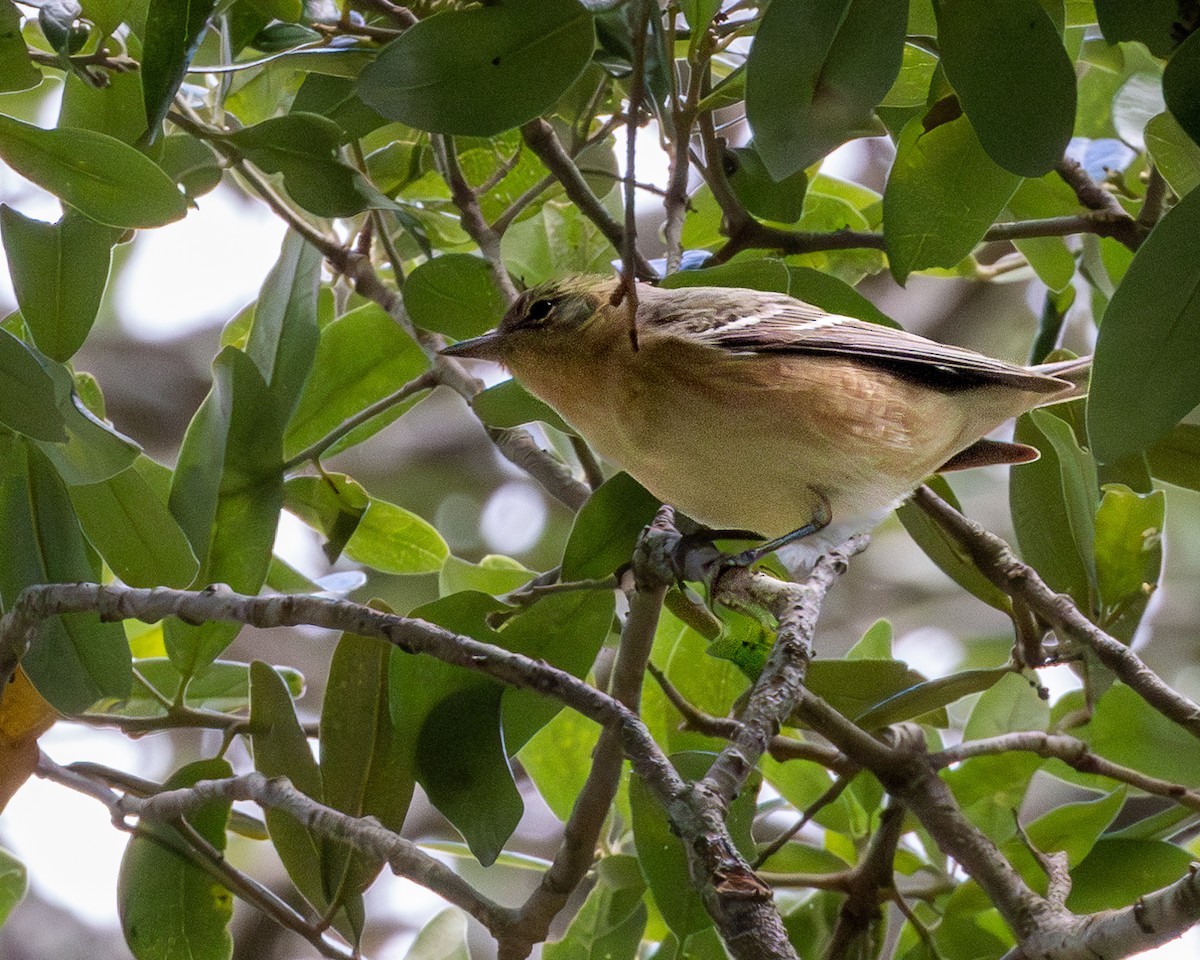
[541, 318]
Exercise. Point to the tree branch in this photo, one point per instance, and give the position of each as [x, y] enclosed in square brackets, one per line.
[997, 561]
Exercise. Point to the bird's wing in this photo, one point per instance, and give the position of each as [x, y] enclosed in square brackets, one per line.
[774, 324]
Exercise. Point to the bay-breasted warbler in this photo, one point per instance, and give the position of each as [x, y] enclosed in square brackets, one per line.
[760, 412]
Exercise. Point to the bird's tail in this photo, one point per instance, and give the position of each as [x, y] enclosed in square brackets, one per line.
[1076, 372]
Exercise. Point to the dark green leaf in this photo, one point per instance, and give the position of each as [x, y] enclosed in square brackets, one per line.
[171, 908]
[1181, 85]
[454, 294]
[943, 193]
[27, 402]
[281, 750]
[931, 695]
[1041, 520]
[606, 529]
[93, 450]
[132, 529]
[515, 57]
[335, 98]
[1118, 872]
[283, 337]
[226, 495]
[858, 688]
[1150, 21]
[1013, 77]
[1080, 485]
[1143, 380]
[610, 923]
[100, 176]
[781, 201]
[76, 659]
[362, 358]
[365, 766]
[174, 29]
[59, 271]
[59, 20]
[815, 74]
[190, 163]
[115, 108]
[508, 404]
[17, 72]
[1176, 457]
[661, 853]
[304, 148]
[951, 558]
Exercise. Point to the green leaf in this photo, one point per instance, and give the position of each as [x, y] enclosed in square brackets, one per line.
[1014, 79]
[1181, 86]
[281, 750]
[816, 72]
[283, 336]
[989, 788]
[1150, 21]
[1050, 257]
[174, 29]
[929, 696]
[661, 853]
[391, 539]
[170, 907]
[558, 758]
[516, 58]
[115, 108]
[361, 358]
[365, 765]
[606, 529]
[304, 148]
[508, 404]
[98, 175]
[17, 72]
[13, 879]
[858, 688]
[494, 574]
[1074, 828]
[762, 195]
[556, 240]
[332, 504]
[454, 294]
[335, 98]
[1128, 546]
[1143, 378]
[610, 923]
[1118, 872]
[59, 271]
[1041, 520]
[943, 193]
[226, 495]
[76, 659]
[875, 644]
[1174, 153]
[132, 529]
[1176, 458]
[222, 686]
[27, 399]
[442, 938]
[949, 556]
[190, 163]
[1128, 731]
[1080, 485]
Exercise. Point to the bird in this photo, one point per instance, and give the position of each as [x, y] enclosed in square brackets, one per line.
[755, 411]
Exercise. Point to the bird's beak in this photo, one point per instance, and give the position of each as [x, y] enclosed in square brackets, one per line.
[486, 347]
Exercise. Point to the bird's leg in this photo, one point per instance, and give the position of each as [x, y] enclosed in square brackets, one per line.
[822, 515]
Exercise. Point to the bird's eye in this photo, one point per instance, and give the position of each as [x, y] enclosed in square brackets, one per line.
[539, 310]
